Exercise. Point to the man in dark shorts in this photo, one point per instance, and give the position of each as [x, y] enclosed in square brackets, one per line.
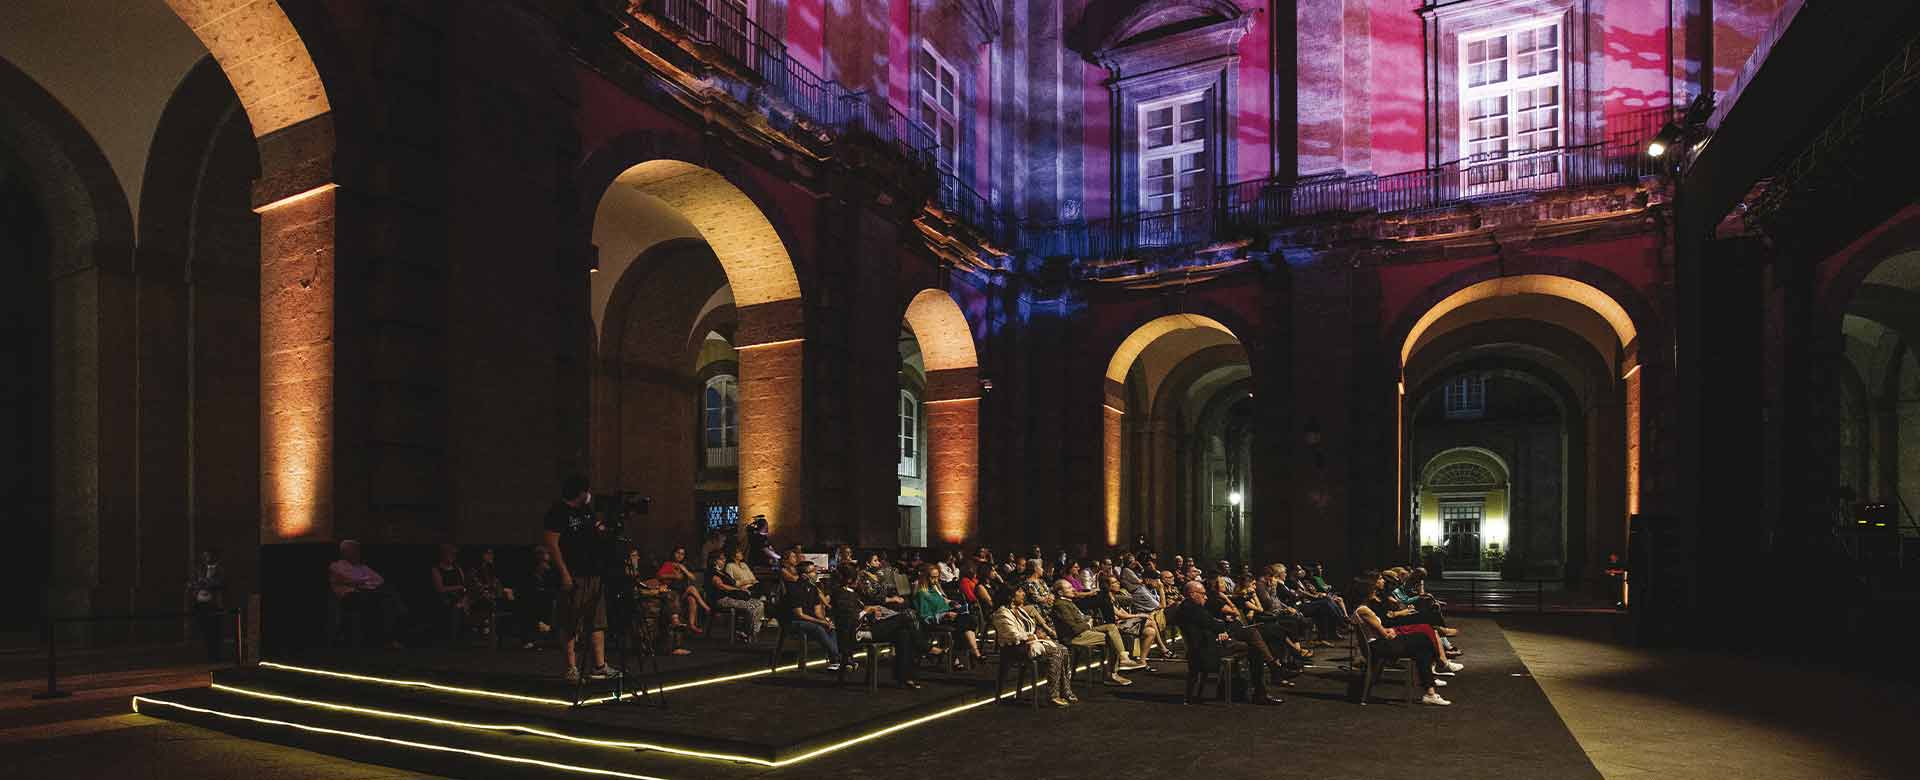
[580, 548]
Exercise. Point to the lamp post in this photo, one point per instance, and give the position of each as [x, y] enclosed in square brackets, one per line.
[1233, 525]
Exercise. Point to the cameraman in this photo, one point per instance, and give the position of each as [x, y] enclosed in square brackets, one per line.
[581, 550]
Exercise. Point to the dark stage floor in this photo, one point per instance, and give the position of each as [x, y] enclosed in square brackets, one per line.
[1501, 724]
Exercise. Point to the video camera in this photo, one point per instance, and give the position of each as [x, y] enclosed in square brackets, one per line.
[617, 508]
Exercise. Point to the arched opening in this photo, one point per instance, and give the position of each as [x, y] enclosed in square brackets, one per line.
[132, 199]
[939, 423]
[1178, 441]
[1878, 402]
[1538, 376]
[697, 388]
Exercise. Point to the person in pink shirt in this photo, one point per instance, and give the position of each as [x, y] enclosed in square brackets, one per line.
[358, 589]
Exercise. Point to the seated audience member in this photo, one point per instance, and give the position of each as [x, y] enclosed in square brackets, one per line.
[950, 566]
[450, 584]
[931, 604]
[1306, 585]
[533, 597]
[654, 620]
[741, 571]
[1388, 643]
[1078, 630]
[1224, 570]
[359, 590]
[877, 585]
[681, 580]
[851, 615]
[715, 543]
[789, 568]
[1405, 623]
[842, 556]
[976, 592]
[1284, 605]
[1017, 631]
[727, 594]
[207, 592]
[1220, 602]
[804, 612]
[1115, 605]
[1034, 582]
[1081, 578]
[1208, 640]
[484, 589]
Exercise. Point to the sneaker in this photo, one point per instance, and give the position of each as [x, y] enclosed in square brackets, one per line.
[833, 666]
[603, 672]
[572, 676]
[1434, 699]
[1442, 673]
[1132, 664]
[1439, 683]
[1453, 666]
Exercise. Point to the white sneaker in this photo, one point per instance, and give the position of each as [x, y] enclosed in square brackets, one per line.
[1434, 699]
[1454, 667]
[1442, 673]
[1439, 683]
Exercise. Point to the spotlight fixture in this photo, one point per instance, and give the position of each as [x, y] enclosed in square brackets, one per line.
[1664, 140]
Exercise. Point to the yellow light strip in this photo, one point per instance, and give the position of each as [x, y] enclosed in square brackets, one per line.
[763, 345]
[668, 749]
[137, 700]
[950, 400]
[490, 726]
[296, 198]
[540, 699]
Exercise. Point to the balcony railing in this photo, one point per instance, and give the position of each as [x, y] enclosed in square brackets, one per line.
[1621, 159]
[1236, 208]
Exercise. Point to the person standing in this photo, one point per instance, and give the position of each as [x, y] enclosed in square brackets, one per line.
[579, 548]
[208, 592]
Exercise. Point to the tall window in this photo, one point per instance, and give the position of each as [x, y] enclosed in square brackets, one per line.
[720, 420]
[909, 435]
[939, 108]
[1466, 396]
[1173, 153]
[1510, 107]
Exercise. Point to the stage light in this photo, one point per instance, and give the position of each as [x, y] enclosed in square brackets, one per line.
[1669, 135]
[1235, 498]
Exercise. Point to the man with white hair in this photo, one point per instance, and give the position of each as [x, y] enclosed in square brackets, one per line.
[1079, 631]
[358, 589]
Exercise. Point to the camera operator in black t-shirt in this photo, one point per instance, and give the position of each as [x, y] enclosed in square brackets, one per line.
[581, 549]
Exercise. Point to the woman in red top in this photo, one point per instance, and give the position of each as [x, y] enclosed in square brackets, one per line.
[678, 577]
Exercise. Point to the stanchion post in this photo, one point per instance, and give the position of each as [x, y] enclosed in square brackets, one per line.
[239, 637]
[53, 685]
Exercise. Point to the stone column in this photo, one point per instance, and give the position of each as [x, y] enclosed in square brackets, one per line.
[953, 449]
[772, 368]
[296, 199]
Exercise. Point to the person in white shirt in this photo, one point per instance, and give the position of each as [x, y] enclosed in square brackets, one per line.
[1014, 627]
[358, 589]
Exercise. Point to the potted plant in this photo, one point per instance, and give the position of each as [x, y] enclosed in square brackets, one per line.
[1494, 559]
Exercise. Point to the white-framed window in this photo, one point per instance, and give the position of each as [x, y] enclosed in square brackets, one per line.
[939, 105]
[1512, 97]
[1173, 153]
[1466, 396]
[720, 421]
[909, 435]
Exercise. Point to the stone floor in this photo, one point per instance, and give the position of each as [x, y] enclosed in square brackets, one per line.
[1635, 714]
[1643, 714]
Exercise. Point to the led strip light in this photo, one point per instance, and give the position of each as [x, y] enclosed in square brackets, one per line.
[138, 700]
[540, 699]
[668, 749]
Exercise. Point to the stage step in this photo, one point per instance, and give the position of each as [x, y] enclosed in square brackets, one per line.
[412, 746]
[375, 705]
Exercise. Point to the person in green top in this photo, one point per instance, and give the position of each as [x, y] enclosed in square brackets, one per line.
[934, 609]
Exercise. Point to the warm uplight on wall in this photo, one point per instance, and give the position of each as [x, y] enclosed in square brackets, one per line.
[770, 430]
[1110, 470]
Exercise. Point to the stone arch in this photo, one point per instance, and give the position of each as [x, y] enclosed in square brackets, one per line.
[1204, 331]
[1566, 288]
[952, 410]
[264, 57]
[661, 199]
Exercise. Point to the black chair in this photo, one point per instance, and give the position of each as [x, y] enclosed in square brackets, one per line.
[1374, 668]
[869, 649]
[779, 644]
[1028, 666]
[1095, 665]
[735, 616]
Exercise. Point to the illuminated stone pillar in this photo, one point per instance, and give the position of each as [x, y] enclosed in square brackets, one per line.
[1110, 469]
[296, 200]
[953, 449]
[772, 417]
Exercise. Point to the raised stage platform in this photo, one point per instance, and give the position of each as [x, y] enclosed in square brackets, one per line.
[482, 713]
